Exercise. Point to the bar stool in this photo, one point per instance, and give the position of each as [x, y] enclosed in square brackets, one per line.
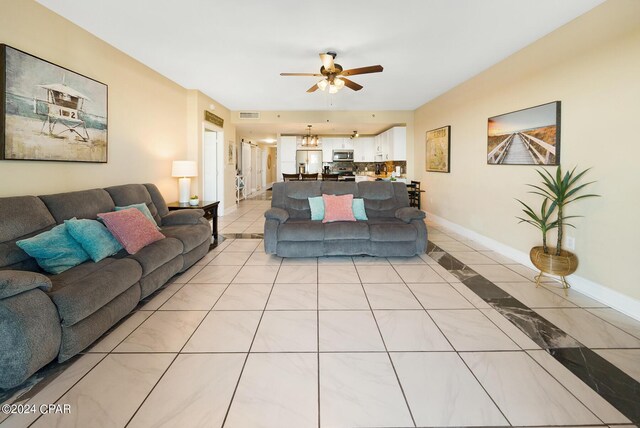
[330, 177]
[291, 177]
[414, 193]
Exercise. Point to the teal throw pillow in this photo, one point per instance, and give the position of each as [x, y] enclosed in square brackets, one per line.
[317, 208]
[143, 209]
[358, 209]
[94, 238]
[54, 250]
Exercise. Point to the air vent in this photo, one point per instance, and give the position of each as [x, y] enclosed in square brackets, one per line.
[249, 115]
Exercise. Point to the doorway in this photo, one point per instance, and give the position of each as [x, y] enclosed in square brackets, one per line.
[212, 165]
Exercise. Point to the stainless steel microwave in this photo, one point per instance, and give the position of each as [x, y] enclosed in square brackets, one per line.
[343, 155]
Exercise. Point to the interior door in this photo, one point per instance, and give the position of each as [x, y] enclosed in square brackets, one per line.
[254, 169]
[210, 166]
[246, 166]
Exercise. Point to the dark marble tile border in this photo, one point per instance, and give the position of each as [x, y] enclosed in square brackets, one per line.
[618, 388]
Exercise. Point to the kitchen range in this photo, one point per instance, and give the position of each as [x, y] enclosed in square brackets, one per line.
[343, 165]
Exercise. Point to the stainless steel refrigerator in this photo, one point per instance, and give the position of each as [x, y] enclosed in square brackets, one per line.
[310, 159]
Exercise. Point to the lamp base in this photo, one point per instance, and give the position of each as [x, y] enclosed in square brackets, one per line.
[184, 185]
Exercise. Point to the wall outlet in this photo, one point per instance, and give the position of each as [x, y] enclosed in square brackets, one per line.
[570, 243]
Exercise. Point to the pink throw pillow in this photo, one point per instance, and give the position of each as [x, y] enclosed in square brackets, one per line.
[338, 208]
[131, 228]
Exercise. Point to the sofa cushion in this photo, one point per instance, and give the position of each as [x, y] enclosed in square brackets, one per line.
[359, 211]
[382, 199]
[14, 257]
[346, 230]
[94, 238]
[316, 204]
[191, 235]
[295, 198]
[82, 290]
[142, 207]
[338, 208]
[131, 228]
[129, 194]
[83, 204]
[392, 232]
[301, 230]
[156, 254]
[55, 250]
[157, 199]
[21, 216]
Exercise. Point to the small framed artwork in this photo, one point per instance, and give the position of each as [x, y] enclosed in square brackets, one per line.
[48, 112]
[525, 137]
[438, 149]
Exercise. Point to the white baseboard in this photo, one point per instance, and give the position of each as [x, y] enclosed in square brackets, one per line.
[621, 302]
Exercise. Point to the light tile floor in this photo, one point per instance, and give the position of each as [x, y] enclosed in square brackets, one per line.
[245, 339]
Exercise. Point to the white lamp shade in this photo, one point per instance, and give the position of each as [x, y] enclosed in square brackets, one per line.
[184, 169]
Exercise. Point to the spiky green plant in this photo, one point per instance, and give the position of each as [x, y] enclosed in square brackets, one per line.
[560, 191]
[541, 221]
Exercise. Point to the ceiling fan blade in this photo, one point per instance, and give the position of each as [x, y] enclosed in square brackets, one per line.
[351, 84]
[363, 70]
[327, 61]
[300, 74]
[313, 88]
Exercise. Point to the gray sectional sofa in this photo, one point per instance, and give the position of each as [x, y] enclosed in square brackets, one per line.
[44, 317]
[392, 228]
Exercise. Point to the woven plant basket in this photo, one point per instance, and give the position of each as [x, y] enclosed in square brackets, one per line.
[563, 265]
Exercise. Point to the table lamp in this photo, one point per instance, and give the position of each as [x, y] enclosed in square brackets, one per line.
[184, 170]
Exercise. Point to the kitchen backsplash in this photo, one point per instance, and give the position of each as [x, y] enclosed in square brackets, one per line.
[361, 167]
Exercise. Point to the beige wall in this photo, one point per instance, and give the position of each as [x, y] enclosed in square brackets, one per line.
[197, 104]
[147, 112]
[592, 65]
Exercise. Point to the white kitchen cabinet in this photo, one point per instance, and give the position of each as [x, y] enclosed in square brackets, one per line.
[364, 149]
[346, 144]
[391, 145]
[287, 149]
[398, 144]
[382, 146]
[327, 149]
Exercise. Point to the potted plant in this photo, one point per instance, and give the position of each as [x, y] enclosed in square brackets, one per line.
[193, 201]
[557, 192]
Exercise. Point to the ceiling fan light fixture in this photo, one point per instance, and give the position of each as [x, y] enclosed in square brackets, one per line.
[323, 84]
[339, 83]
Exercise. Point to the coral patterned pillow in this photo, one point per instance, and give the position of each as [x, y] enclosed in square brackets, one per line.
[338, 208]
[131, 228]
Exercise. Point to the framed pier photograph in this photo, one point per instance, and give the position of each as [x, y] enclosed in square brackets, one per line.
[525, 137]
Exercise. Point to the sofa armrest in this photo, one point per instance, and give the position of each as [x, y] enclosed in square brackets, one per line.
[14, 282]
[277, 214]
[407, 214]
[175, 218]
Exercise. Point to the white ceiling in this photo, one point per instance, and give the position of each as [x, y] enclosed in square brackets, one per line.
[233, 51]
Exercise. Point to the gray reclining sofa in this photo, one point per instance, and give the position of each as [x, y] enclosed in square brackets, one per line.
[392, 228]
[44, 317]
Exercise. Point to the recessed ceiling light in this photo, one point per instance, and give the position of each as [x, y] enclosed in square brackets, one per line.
[269, 140]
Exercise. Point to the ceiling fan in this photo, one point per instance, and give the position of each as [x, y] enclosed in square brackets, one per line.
[333, 75]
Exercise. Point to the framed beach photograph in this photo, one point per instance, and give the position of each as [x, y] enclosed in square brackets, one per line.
[525, 137]
[48, 112]
[438, 149]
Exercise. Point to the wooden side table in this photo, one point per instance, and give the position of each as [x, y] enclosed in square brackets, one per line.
[210, 209]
